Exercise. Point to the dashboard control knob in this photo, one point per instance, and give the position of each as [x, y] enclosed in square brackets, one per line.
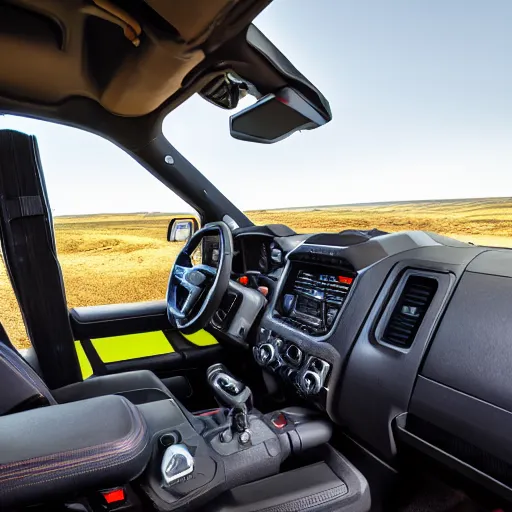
[265, 354]
[294, 355]
[310, 383]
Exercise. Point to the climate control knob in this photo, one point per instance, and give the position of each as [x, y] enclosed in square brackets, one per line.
[310, 383]
[265, 354]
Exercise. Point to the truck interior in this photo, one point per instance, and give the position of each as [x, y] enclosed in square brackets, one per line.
[354, 371]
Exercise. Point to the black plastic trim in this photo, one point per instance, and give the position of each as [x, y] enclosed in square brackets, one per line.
[169, 362]
[307, 488]
[328, 486]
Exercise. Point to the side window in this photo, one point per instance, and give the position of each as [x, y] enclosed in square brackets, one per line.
[111, 218]
[115, 258]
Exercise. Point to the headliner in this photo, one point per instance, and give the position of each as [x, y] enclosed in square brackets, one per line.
[148, 56]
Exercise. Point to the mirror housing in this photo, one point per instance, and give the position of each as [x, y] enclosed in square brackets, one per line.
[250, 64]
[275, 117]
[181, 229]
[225, 91]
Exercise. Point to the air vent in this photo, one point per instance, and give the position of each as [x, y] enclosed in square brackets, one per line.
[414, 300]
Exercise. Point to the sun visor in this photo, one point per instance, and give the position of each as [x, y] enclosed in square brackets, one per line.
[147, 78]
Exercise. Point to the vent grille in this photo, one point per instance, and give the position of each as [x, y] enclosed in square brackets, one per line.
[409, 311]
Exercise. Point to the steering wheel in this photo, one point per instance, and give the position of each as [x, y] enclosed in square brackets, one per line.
[194, 292]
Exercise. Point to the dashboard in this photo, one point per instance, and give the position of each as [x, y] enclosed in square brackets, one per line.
[404, 339]
[257, 253]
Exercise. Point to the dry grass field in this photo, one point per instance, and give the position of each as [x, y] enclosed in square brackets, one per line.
[125, 258]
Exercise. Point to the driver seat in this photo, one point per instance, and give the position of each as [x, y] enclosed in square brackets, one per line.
[21, 388]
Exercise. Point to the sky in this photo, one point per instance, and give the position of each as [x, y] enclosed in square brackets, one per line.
[421, 95]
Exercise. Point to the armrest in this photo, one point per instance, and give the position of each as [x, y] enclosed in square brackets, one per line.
[96, 443]
[138, 386]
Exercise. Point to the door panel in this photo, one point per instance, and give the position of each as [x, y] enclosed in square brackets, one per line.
[118, 319]
[124, 337]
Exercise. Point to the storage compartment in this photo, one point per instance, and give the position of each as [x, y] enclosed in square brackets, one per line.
[466, 434]
[442, 446]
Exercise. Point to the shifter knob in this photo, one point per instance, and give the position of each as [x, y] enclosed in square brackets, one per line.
[235, 395]
[229, 384]
[229, 391]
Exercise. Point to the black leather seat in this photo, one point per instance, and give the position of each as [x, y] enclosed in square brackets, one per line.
[21, 388]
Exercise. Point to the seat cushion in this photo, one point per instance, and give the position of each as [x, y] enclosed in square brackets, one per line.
[139, 387]
[67, 449]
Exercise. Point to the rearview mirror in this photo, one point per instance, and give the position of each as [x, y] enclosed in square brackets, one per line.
[180, 230]
[275, 117]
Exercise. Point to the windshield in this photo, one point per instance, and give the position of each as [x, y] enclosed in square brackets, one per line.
[422, 122]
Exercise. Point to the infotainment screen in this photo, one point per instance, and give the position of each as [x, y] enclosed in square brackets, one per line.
[312, 299]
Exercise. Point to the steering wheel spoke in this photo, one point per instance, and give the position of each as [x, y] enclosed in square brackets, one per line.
[207, 270]
[193, 294]
[179, 272]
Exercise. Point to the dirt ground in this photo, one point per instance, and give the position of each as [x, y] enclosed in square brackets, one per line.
[109, 259]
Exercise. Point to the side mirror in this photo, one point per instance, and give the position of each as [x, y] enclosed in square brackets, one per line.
[275, 117]
[180, 230]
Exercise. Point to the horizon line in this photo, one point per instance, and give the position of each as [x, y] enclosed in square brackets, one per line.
[308, 207]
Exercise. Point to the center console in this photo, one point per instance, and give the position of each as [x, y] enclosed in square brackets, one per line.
[159, 456]
[293, 341]
[197, 457]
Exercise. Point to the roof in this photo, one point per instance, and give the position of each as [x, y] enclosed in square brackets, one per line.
[132, 57]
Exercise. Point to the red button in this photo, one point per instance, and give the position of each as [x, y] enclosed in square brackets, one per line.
[279, 421]
[263, 290]
[114, 495]
[243, 280]
[345, 280]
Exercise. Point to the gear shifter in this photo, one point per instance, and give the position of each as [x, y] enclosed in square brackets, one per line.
[234, 394]
[229, 391]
